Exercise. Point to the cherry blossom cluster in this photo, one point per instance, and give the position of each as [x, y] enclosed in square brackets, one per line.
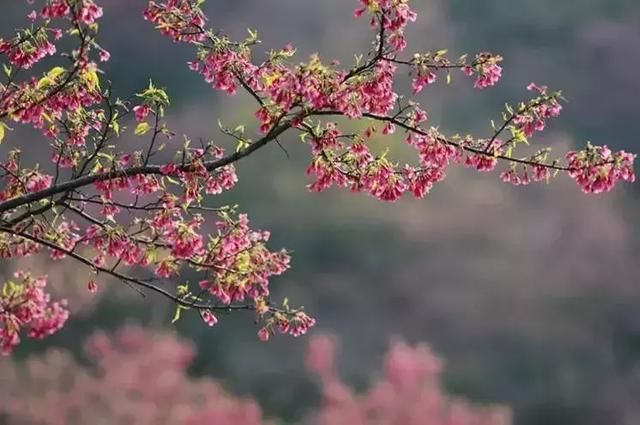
[522, 174]
[181, 20]
[85, 11]
[394, 16]
[367, 91]
[426, 66]
[532, 117]
[295, 323]
[597, 169]
[25, 308]
[55, 103]
[19, 180]
[235, 262]
[29, 48]
[168, 231]
[356, 167]
[486, 70]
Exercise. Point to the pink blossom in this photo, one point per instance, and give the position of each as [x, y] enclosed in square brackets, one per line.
[420, 81]
[26, 306]
[596, 169]
[208, 317]
[263, 334]
[141, 112]
[92, 286]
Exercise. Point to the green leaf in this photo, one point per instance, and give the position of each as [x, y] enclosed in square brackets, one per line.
[55, 72]
[90, 77]
[242, 144]
[172, 180]
[154, 94]
[45, 82]
[152, 255]
[253, 34]
[142, 128]
[508, 108]
[176, 316]
[2, 132]
[182, 289]
[115, 125]
[105, 155]
[96, 167]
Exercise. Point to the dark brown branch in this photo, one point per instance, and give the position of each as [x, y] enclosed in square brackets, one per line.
[421, 132]
[379, 54]
[181, 301]
[132, 171]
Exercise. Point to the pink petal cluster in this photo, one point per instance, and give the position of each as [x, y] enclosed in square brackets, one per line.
[395, 17]
[178, 19]
[485, 160]
[25, 307]
[356, 167]
[486, 70]
[141, 112]
[422, 80]
[597, 169]
[527, 175]
[533, 118]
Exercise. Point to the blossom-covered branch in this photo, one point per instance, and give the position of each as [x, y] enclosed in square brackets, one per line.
[144, 215]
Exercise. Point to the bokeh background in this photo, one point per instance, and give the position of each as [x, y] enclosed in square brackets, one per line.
[532, 295]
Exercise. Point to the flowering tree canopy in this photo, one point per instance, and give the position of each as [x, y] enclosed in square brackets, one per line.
[55, 389]
[144, 216]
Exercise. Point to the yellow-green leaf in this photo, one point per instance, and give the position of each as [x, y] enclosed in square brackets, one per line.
[176, 316]
[242, 144]
[115, 125]
[45, 82]
[55, 72]
[141, 128]
[2, 132]
[171, 180]
[182, 289]
[90, 77]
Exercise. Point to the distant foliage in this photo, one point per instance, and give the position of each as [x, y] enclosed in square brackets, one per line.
[134, 377]
[408, 393]
[138, 377]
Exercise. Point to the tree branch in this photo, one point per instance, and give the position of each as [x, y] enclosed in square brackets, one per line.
[132, 171]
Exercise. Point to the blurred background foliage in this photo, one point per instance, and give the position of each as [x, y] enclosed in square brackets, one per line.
[532, 295]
